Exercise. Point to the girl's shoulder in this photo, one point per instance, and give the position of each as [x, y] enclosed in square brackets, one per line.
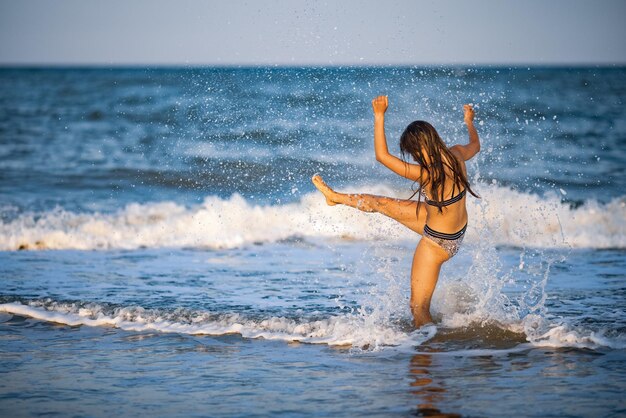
[457, 152]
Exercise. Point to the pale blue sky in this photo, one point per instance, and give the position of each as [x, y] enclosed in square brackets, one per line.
[298, 32]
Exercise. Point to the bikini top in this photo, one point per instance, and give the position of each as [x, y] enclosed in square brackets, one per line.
[445, 202]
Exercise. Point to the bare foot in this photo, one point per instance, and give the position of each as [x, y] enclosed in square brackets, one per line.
[420, 323]
[323, 187]
[421, 317]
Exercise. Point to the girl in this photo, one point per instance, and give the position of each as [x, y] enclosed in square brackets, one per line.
[442, 177]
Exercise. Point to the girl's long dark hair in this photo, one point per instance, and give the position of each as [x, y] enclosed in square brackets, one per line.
[421, 138]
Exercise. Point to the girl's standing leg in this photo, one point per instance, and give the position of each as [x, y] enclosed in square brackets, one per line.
[404, 211]
[427, 263]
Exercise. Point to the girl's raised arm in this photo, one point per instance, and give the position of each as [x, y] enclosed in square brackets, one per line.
[395, 164]
[466, 152]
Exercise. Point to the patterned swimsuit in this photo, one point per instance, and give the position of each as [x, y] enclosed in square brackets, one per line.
[449, 242]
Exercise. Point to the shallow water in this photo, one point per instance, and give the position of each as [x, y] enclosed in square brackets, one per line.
[150, 352]
[56, 369]
[176, 261]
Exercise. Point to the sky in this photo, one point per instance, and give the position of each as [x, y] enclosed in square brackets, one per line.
[300, 32]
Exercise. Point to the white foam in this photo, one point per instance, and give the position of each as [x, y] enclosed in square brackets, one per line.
[345, 330]
[355, 330]
[509, 217]
[543, 334]
[523, 219]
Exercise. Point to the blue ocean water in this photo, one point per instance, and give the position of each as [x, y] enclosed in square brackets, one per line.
[163, 250]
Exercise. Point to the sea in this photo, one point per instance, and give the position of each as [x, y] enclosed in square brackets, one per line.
[163, 251]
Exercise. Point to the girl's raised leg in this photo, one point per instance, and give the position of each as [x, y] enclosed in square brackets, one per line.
[404, 211]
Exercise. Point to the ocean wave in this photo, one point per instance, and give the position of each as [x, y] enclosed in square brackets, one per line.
[565, 335]
[347, 330]
[357, 330]
[502, 216]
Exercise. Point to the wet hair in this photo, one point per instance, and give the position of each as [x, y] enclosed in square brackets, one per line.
[420, 138]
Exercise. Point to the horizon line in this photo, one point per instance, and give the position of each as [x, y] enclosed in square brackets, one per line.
[85, 65]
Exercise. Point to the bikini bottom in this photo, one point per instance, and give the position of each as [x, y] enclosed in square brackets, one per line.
[449, 242]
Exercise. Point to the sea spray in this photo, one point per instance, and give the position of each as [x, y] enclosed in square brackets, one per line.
[387, 299]
[473, 293]
[483, 293]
